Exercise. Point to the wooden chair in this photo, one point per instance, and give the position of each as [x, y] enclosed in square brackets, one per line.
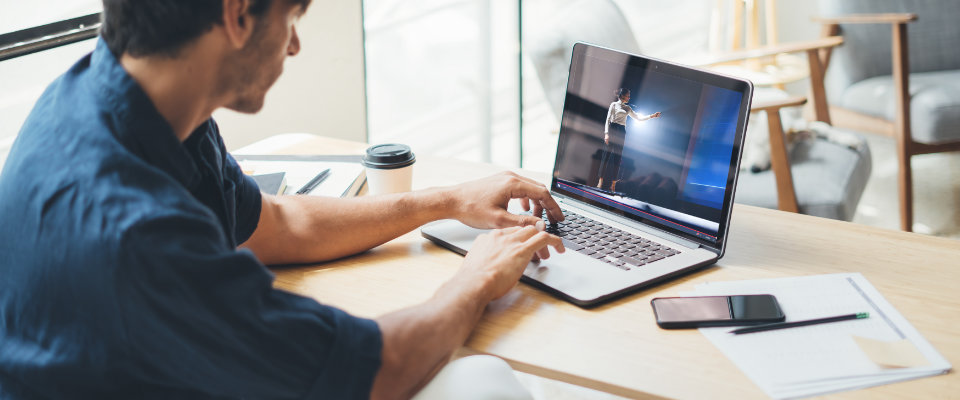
[909, 94]
[818, 177]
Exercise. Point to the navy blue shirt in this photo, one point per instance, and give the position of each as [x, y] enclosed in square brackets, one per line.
[120, 272]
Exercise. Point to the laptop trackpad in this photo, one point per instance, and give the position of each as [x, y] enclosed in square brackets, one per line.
[563, 272]
[452, 234]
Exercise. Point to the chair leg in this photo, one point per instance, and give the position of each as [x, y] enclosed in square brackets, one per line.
[905, 181]
[901, 80]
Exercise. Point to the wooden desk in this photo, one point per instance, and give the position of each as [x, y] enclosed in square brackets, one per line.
[618, 347]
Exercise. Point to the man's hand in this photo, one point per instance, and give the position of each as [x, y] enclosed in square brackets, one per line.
[497, 259]
[483, 203]
[655, 115]
[606, 138]
[419, 340]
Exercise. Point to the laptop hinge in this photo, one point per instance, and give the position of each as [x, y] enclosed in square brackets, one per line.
[598, 212]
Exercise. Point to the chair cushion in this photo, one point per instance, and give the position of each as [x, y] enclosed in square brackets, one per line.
[934, 103]
[828, 178]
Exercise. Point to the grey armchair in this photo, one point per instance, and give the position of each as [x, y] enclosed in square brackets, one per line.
[878, 83]
[816, 176]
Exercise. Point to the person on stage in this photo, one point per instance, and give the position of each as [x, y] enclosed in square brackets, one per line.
[614, 134]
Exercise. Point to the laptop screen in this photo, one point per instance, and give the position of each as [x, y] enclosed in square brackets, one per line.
[652, 141]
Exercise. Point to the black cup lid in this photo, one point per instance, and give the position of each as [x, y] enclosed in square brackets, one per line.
[388, 156]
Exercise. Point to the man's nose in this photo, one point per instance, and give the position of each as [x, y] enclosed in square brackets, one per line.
[294, 47]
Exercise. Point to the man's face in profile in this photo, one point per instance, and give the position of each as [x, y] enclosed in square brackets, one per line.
[255, 68]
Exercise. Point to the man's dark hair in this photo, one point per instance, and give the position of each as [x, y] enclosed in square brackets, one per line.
[162, 27]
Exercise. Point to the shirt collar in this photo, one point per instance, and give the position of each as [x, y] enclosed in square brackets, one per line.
[137, 123]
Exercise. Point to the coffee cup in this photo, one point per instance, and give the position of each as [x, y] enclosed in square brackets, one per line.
[389, 168]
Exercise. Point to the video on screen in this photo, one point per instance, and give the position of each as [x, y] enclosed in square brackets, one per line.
[649, 143]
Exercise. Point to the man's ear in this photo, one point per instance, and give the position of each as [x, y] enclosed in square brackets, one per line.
[237, 22]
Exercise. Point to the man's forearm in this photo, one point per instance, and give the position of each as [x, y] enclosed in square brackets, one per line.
[295, 229]
[418, 340]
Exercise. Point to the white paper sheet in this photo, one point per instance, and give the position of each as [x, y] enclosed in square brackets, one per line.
[824, 358]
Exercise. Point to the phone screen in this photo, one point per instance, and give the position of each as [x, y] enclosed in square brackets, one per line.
[693, 312]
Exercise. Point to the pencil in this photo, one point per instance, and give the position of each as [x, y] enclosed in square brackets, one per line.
[784, 325]
[314, 182]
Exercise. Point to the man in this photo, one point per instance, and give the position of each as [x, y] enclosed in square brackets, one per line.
[133, 247]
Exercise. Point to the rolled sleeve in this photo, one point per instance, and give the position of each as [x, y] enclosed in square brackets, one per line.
[358, 349]
[249, 203]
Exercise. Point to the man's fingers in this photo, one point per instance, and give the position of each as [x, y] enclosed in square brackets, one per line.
[504, 219]
[541, 197]
[507, 231]
[539, 241]
[542, 254]
[538, 211]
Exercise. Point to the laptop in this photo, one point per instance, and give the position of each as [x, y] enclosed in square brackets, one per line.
[645, 181]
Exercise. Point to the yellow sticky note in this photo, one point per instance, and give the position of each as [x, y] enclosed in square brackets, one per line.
[895, 354]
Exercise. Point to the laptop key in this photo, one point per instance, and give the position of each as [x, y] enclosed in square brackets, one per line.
[634, 261]
[570, 245]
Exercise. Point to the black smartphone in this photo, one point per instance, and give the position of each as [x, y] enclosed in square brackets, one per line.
[706, 311]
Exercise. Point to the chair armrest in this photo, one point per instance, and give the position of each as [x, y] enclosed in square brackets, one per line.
[776, 105]
[766, 51]
[899, 52]
[867, 19]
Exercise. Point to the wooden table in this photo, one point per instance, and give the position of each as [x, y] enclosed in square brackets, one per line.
[618, 347]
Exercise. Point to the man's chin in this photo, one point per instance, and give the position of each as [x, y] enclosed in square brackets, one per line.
[247, 106]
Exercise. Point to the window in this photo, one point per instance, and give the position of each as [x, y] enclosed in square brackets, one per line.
[442, 77]
[39, 40]
[445, 76]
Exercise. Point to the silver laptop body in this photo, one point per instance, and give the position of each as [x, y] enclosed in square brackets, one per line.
[676, 175]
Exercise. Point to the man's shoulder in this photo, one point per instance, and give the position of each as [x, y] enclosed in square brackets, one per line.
[89, 185]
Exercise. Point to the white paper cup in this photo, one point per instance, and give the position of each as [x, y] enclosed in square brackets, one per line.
[389, 168]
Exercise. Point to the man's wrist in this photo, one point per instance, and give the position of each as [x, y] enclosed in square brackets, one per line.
[468, 290]
[445, 202]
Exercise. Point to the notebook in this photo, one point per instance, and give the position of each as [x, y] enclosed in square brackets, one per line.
[273, 184]
[647, 196]
[346, 178]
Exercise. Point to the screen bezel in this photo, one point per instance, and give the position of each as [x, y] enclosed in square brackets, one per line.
[744, 87]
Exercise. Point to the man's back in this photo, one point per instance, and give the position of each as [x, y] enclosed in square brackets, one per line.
[121, 274]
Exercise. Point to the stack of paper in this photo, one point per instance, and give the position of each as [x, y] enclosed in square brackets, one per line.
[825, 358]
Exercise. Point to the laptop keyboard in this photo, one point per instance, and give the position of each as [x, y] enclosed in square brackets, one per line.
[613, 246]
